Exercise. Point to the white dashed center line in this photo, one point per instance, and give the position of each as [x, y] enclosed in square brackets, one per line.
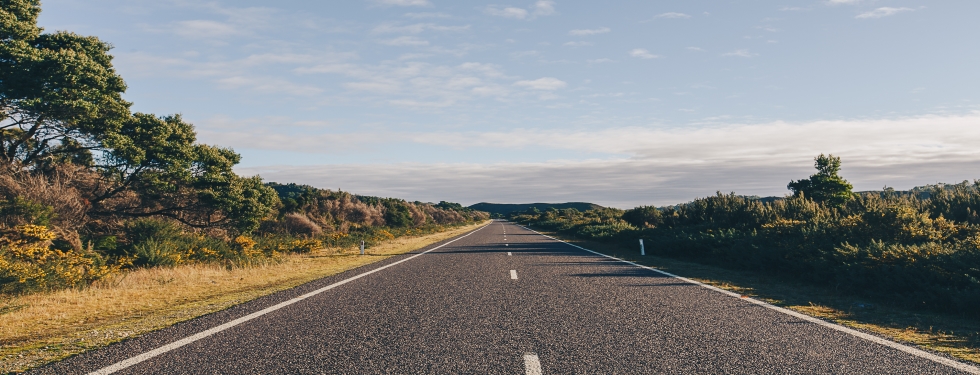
[513, 274]
[532, 366]
[509, 254]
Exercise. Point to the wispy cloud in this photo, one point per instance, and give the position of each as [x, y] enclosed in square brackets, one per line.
[404, 3]
[883, 12]
[672, 15]
[740, 53]
[264, 85]
[643, 54]
[416, 28]
[544, 8]
[540, 8]
[509, 12]
[406, 41]
[427, 15]
[697, 49]
[582, 32]
[198, 29]
[418, 85]
[577, 44]
[546, 83]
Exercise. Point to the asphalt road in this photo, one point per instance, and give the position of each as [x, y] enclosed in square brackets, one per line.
[502, 300]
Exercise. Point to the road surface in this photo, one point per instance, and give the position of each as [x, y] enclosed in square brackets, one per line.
[503, 300]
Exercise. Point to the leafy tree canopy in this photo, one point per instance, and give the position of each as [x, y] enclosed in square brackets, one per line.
[643, 216]
[825, 186]
[61, 103]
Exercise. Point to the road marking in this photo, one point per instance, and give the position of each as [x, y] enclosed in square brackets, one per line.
[203, 334]
[509, 254]
[875, 339]
[513, 274]
[532, 366]
[506, 245]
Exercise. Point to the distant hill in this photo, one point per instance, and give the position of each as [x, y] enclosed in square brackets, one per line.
[505, 208]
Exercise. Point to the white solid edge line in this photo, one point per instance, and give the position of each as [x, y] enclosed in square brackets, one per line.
[513, 274]
[532, 366]
[875, 339]
[200, 335]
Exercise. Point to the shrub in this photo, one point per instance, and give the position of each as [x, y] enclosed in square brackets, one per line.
[29, 263]
[155, 253]
[297, 223]
[643, 216]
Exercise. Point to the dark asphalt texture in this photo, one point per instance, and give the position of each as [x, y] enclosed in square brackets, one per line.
[456, 310]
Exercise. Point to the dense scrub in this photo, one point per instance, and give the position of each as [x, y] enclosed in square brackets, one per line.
[49, 241]
[916, 249]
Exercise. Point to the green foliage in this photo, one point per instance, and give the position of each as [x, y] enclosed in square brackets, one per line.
[911, 249]
[451, 206]
[397, 215]
[245, 202]
[825, 186]
[55, 89]
[643, 216]
[294, 197]
[22, 208]
[155, 242]
[143, 230]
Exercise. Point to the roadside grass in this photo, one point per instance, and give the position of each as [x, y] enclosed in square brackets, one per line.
[949, 334]
[39, 328]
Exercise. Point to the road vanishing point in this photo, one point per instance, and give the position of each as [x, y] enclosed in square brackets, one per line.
[504, 299]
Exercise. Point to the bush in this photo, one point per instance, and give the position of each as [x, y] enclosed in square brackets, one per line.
[300, 224]
[643, 216]
[29, 263]
[142, 230]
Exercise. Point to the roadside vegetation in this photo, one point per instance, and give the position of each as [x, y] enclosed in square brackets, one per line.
[90, 190]
[46, 326]
[917, 250]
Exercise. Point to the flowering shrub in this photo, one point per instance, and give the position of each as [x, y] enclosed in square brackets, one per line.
[29, 263]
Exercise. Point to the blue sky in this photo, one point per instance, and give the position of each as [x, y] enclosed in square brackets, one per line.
[618, 103]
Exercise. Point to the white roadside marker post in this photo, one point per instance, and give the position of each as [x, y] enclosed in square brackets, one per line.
[643, 251]
[362, 247]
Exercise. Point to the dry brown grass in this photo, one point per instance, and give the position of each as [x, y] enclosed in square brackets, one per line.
[953, 335]
[39, 328]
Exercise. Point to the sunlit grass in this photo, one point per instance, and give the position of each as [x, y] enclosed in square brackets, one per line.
[38, 328]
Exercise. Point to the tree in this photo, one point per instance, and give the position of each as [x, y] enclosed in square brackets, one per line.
[643, 216]
[397, 214]
[61, 103]
[825, 186]
[158, 159]
[59, 93]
